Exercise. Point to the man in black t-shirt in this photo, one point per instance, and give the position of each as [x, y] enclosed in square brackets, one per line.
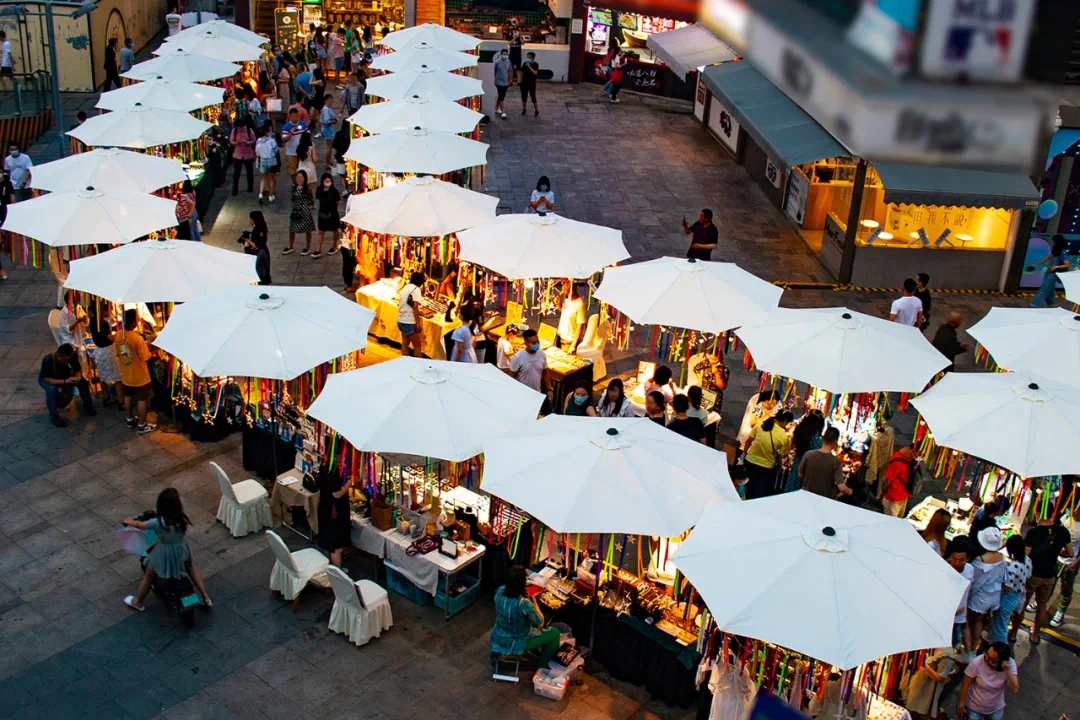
[529, 70]
[60, 372]
[1045, 543]
[706, 236]
[690, 428]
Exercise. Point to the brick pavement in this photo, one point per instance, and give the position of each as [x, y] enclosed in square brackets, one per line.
[69, 648]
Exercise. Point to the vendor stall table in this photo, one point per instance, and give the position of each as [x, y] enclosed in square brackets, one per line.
[427, 572]
[565, 370]
[383, 299]
[257, 456]
[288, 493]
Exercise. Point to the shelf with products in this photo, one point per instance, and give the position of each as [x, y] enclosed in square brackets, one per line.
[629, 30]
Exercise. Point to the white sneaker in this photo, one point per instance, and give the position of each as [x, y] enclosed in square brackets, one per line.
[1058, 620]
[147, 428]
[273, 198]
[504, 116]
[1031, 606]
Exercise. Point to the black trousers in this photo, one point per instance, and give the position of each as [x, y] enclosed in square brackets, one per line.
[112, 77]
[250, 165]
[760, 482]
[348, 266]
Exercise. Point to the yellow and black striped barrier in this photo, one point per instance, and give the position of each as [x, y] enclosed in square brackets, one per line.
[25, 129]
[843, 287]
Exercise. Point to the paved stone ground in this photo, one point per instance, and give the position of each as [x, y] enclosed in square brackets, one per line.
[68, 646]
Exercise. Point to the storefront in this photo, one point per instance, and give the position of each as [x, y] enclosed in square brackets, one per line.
[870, 224]
[630, 27]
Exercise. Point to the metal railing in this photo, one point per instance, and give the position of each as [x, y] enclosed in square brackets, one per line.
[25, 94]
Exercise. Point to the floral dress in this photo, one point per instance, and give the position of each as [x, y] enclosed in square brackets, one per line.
[793, 482]
[300, 220]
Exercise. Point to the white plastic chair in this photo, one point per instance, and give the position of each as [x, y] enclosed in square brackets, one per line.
[361, 609]
[54, 325]
[293, 571]
[244, 507]
[593, 344]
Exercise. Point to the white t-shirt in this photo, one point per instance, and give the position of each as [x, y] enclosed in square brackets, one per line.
[254, 106]
[529, 368]
[968, 574]
[18, 169]
[406, 314]
[549, 196]
[465, 344]
[504, 350]
[5, 54]
[906, 309]
[172, 20]
[572, 318]
[266, 147]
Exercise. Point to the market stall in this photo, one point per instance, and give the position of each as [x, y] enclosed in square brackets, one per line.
[416, 151]
[162, 94]
[439, 115]
[423, 55]
[430, 34]
[433, 315]
[1045, 341]
[566, 371]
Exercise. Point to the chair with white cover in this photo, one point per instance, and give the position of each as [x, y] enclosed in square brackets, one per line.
[592, 345]
[293, 571]
[361, 608]
[54, 325]
[244, 507]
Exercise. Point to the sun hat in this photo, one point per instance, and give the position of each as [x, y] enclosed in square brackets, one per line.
[990, 539]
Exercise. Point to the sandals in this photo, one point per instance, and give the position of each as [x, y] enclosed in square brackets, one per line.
[1034, 637]
[130, 602]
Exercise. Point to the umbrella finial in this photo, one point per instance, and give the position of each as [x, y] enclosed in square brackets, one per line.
[264, 296]
[828, 531]
[1033, 386]
[846, 316]
[612, 431]
[1076, 318]
[89, 188]
[691, 260]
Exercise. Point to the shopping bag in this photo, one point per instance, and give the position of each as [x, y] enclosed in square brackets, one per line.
[273, 105]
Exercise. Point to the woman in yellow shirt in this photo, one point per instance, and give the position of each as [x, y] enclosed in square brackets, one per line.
[766, 449]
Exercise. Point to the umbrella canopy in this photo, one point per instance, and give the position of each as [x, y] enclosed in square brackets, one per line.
[424, 82]
[531, 246]
[182, 67]
[140, 128]
[433, 408]
[1042, 340]
[1025, 423]
[161, 271]
[163, 94]
[424, 55]
[692, 294]
[209, 44]
[417, 151]
[274, 332]
[439, 115]
[108, 169]
[90, 216]
[419, 207]
[606, 475]
[221, 28]
[1071, 282]
[842, 351]
[818, 576]
[430, 34]
[191, 19]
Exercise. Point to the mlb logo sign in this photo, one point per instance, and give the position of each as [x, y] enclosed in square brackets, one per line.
[976, 39]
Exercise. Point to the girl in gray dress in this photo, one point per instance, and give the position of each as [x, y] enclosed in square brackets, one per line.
[171, 557]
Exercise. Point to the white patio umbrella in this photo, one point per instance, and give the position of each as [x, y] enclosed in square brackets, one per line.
[1041, 340]
[274, 332]
[1026, 423]
[222, 28]
[425, 82]
[692, 294]
[417, 151]
[606, 475]
[1071, 282]
[423, 54]
[838, 583]
[431, 34]
[161, 271]
[532, 246]
[209, 44]
[439, 115]
[842, 351]
[90, 216]
[108, 169]
[140, 128]
[163, 94]
[182, 67]
[420, 207]
[433, 408]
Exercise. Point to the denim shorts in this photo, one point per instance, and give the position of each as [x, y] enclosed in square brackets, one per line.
[407, 328]
[339, 62]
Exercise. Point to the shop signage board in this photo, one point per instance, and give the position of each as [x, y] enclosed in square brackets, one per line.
[773, 172]
[286, 22]
[700, 98]
[797, 191]
[651, 78]
[983, 40]
[903, 126]
[723, 124]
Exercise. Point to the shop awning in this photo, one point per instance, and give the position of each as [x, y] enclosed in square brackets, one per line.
[686, 49]
[1060, 141]
[931, 185]
[773, 119]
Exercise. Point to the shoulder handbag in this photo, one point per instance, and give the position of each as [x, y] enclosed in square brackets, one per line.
[778, 481]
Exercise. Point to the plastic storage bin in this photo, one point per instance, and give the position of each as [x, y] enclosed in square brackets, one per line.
[553, 687]
[402, 586]
[459, 601]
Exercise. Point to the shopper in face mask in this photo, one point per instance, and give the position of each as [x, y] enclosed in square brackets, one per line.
[504, 71]
[529, 366]
[327, 197]
[579, 402]
[18, 167]
[543, 197]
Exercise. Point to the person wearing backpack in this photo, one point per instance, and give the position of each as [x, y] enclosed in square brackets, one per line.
[1045, 543]
[899, 481]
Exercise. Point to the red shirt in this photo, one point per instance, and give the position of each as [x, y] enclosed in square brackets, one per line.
[897, 477]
